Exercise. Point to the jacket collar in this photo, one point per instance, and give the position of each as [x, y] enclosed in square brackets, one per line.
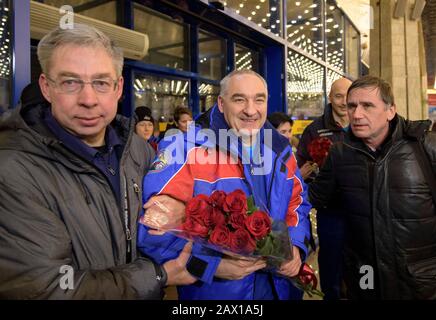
[399, 129]
[328, 119]
[213, 119]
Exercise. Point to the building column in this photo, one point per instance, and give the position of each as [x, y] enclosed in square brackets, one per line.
[397, 55]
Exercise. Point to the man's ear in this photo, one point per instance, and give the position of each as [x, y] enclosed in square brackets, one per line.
[392, 111]
[43, 85]
[220, 104]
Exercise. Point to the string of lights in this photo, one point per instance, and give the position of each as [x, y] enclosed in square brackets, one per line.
[304, 27]
[5, 56]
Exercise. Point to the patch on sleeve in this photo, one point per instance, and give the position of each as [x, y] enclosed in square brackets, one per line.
[161, 161]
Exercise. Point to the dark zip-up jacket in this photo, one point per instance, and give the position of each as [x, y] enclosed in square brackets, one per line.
[324, 126]
[390, 213]
[58, 211]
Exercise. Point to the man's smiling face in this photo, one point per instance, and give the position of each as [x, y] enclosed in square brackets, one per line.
[244, 104]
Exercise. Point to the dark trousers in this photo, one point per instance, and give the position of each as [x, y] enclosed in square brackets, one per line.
[330, 229]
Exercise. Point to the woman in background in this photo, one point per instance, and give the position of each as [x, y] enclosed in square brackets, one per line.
[145, 126]
[182, 118]
[283, 124]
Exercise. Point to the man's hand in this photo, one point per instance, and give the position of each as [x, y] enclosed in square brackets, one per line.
[307, 168]
[176, 268]
[235, 269]
[291, 268]
[163, 212]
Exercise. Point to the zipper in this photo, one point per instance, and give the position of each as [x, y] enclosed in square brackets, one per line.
[136, 187]
[360, 150]
[126, 222]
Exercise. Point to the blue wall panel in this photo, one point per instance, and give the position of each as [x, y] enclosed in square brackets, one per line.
[20, 48]
[274, 70]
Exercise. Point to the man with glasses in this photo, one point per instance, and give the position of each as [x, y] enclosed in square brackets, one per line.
[70, 178]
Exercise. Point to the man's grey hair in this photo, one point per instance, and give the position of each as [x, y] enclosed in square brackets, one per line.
[80, 35]
[224, 83]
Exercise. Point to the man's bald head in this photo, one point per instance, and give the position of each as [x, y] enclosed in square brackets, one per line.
[338, 97]
[339, 84]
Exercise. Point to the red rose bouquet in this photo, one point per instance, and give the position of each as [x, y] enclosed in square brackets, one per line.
[318, 149]
[228, 223]
[232, 224]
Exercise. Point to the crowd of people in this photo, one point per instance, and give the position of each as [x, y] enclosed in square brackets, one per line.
[76, 178]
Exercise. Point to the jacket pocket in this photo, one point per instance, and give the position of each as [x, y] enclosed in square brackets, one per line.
[423, 276]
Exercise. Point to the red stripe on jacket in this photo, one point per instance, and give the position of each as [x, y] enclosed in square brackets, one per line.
[297, 190]
[201, 164]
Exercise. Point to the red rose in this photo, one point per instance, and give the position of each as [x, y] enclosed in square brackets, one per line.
[307, 277]
[220, 236]
[241, 241]
[236, 201]
[237, 219]
[258, 224]
[215, 218]
[194, 228]
[198, 208]
[217, 199]
[318, 149]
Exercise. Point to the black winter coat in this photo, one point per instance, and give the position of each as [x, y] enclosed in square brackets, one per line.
[324, 126]
[389, 210]
[56, 209]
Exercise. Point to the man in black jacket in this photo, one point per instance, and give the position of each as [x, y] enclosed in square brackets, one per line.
[71, 171]
[330, 227]
[385, 197]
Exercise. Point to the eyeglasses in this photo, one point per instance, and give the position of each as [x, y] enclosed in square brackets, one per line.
[75, 85]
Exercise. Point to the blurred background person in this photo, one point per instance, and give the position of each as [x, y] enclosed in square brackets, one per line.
[332, 125]
[145, 126]
[283, 123]
[182, 118]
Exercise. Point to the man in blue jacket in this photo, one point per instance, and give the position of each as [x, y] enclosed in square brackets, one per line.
[185, 167]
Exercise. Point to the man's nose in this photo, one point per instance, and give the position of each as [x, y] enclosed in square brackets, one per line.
[250, 108]
[87, 96]
[358, 112]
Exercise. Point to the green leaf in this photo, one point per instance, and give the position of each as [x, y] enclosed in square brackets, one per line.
[251, 206]
[266, 246]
